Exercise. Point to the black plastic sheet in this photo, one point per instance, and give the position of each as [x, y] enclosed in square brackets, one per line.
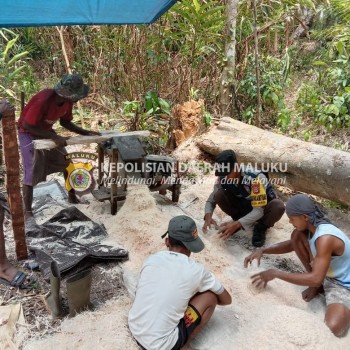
[73, 240]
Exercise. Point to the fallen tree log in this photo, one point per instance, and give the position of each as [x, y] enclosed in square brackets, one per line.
[77, 140]
[306, 167]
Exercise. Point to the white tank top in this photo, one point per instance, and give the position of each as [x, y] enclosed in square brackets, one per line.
[339, 268]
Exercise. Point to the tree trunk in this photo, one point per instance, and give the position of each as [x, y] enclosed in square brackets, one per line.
[275, 42]
[228, 73]
[304, 24]
[306, 167]
[11, 157]
[68, 67]
[269, 41]
[257, 70]
[286, 35]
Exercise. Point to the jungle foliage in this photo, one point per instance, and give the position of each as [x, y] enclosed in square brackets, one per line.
[137, 73]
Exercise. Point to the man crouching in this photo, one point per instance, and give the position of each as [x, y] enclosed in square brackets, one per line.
[175, 296]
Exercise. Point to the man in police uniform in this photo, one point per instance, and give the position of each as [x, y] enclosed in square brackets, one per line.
[246, 196]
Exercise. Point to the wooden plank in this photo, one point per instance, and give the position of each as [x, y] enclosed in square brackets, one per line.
[78, 140]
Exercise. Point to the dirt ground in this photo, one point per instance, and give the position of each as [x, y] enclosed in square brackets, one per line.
[270, 319]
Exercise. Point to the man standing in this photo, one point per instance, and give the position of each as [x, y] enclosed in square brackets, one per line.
[36, 121]
[246, 196]
[324, 250]
[175, 296]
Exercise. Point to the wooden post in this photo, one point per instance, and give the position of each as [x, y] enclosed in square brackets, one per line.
[11, 158]
[101, 157]
[23, 96]
[114, 177]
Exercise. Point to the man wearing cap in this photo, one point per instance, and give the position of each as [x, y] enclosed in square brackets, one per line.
[36, 122]
[324, 250]
[246, 196]
[175, 296]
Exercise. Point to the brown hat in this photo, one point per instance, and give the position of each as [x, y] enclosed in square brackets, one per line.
[72, 87]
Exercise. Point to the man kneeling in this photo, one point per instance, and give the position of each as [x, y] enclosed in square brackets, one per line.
[175, 296]
[324, 250]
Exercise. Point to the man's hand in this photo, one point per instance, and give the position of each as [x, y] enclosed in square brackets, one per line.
[311, 292]
[228, 229]
[60, 141]
[208, 221]
[260, 279]
[257, 254]
[6, 109]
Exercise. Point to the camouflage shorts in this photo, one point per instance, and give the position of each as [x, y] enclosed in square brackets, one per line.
[336, 293]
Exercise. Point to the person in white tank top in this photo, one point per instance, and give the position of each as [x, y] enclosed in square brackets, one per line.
[324, 250]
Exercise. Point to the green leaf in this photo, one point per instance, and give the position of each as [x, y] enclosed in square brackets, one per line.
[319, 63]
[332, 109]
[165, 106]
[196, 5]
[340, 47]
[8, 47]
[274, 97]
[17, 57]
[14, 74]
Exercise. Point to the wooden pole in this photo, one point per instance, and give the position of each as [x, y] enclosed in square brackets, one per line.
[68, 67]
[11, 158]
[257, 71]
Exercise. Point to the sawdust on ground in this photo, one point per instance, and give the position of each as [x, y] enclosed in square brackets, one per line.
[274, 318]
[269, 319]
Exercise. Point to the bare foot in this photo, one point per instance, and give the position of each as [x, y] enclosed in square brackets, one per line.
[7, 271]
[311, 292]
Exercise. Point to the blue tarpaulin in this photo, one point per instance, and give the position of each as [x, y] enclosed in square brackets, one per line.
[30, 13]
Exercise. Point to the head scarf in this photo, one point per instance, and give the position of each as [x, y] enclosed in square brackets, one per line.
[301, 204]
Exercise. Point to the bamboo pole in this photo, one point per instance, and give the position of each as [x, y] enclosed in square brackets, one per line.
[11, 158]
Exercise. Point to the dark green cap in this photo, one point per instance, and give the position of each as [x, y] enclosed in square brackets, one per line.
[225, 162]
[72, 87]
[184, 229]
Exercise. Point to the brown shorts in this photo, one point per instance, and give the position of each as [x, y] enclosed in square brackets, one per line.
[336, 293]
